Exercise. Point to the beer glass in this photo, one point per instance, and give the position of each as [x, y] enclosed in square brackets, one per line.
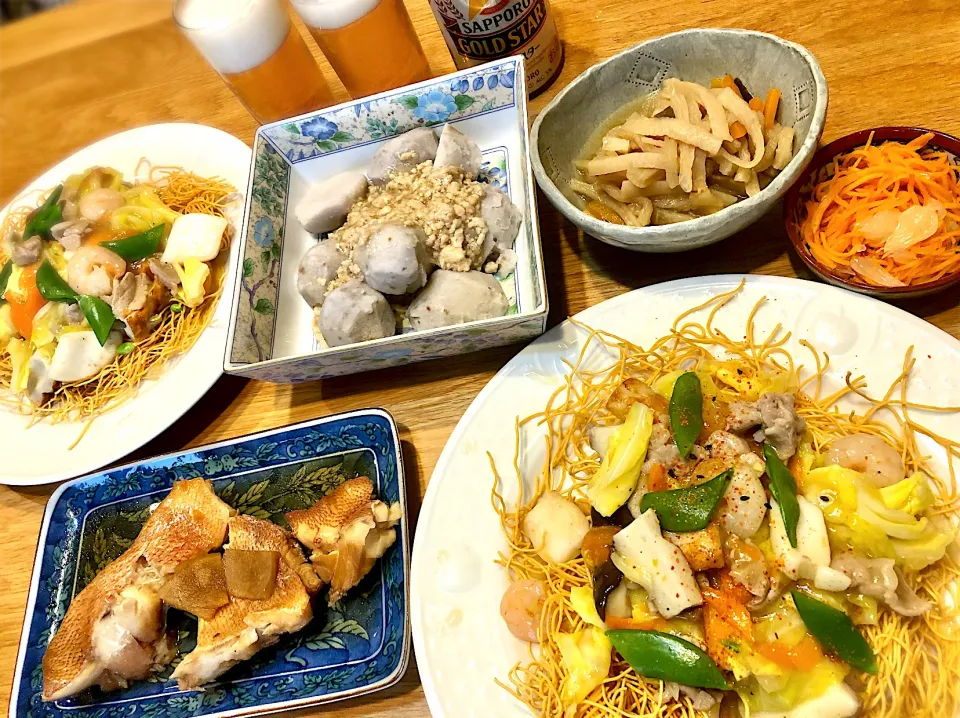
[258, 52]
[371, 44]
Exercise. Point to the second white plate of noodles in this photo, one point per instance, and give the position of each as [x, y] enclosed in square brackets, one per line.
[462, 645]
[41, 453]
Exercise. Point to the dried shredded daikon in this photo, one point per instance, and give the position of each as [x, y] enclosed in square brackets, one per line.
[693, 151]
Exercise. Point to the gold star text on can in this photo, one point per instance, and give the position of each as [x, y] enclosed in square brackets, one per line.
[478, 31]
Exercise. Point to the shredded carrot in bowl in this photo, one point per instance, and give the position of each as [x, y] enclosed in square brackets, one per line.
[886, 214]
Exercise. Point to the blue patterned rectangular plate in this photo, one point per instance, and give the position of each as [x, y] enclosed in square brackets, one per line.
[360, 645]
[271, 327]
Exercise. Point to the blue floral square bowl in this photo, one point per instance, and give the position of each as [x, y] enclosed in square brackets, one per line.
[271, 327]
[360, 645]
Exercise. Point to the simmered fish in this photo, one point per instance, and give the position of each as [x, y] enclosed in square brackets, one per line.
[114, 630]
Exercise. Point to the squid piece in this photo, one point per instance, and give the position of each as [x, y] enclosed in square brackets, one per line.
[194, 235]
[644, 556]
[811, 558]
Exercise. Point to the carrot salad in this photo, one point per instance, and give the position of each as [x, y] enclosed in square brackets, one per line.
[888, 214]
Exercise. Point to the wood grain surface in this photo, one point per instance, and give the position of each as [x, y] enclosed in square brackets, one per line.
[94, 67]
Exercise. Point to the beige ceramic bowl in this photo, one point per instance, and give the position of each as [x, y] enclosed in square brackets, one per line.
[761, 61]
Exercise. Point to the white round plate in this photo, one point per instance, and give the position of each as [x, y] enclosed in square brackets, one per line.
[460, 641]
[41, 454]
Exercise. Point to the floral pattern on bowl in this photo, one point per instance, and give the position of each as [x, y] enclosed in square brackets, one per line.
[493, 169]
[436, 347]
[271, 328]
[261, 251]
[359, 645]
[456, 97]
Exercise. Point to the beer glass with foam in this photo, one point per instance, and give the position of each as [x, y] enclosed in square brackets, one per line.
[371, 44]
[258, 52]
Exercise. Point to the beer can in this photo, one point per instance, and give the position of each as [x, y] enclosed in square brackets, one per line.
[478, 31]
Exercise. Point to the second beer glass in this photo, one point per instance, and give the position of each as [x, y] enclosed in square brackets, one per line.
[371, 44]
[258, 53]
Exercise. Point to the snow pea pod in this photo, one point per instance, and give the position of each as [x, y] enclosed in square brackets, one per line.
[686, 411]
[784, 489]
[653, 654]
[44, 217]
[5, 277]
[835, 631]
[690, 508]
[98, 314]
[52, 286]
[139, 246]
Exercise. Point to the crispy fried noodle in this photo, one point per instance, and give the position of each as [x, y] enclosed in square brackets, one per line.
[165, 194]
[917, 656]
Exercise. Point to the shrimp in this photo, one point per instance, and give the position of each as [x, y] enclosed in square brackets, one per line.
[522, 607]
[868, 454]
[98, 202]
[92, 269]
[629, 393]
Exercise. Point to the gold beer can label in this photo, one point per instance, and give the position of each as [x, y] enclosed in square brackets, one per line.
[479, 31]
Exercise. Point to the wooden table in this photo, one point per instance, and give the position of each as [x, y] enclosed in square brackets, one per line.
[90, 69]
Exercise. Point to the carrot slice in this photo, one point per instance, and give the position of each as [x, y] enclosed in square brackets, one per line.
[802, 657]
[23, 311]
[657, 478]
[653, 624]
[795, 465]
[732, 588]
[756, 104]
[770, 107]
[600, 211]
[728, 82]
[737, 130]
[727, 625]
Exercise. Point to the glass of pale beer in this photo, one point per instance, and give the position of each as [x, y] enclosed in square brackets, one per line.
[258, 52]
[371, 44]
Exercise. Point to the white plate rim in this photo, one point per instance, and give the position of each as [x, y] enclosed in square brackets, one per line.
[720, 282]
[212, 369]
